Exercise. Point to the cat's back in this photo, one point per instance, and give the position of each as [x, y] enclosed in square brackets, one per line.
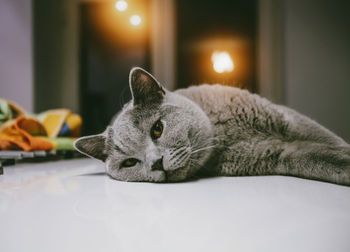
[219, 99]
[238, 112]
[235, 111]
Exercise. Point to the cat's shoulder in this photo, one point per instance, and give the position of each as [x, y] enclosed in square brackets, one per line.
[212, 89]
[213, 92]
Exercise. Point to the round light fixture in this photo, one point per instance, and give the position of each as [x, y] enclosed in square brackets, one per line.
[121, 5]
[135, 20]
[222, 62]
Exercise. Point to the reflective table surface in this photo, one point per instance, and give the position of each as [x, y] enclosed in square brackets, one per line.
[73, 206]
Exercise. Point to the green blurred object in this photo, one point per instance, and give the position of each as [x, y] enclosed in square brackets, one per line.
[5, 111]
[62, 143]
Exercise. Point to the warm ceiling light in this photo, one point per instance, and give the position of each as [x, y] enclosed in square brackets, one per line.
[121, 5]
[135, 20]
[222, 62]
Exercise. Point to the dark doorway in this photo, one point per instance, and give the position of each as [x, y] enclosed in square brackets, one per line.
[110, 47]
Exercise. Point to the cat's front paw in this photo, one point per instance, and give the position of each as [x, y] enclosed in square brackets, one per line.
[344, 176]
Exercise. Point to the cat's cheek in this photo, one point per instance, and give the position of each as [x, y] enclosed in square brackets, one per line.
[113, 171]
[168, 165]
[166, 162]
[178, 175]
[109, 166]
[171, 164]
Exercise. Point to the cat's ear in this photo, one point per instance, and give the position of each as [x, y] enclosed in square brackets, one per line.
[93, 146]
[144, 87]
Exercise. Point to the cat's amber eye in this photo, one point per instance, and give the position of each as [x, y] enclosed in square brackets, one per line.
[130, 162]
[157, 130]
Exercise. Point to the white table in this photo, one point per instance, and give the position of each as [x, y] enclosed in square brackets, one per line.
[74, 206]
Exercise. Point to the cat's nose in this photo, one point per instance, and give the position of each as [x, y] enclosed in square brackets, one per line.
[158, 165]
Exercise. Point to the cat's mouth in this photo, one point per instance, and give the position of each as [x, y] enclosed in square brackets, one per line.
[159, 167]
[166, 176]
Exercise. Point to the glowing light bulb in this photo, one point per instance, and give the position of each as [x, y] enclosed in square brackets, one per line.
[121, 5]
[222, 62]
[135, 20]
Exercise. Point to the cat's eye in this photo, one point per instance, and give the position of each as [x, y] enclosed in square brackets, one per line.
[130, 162]
[157, 130]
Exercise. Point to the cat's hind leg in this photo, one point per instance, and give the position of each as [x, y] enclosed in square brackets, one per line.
[315, 161]
[302, 128]
[304, 159]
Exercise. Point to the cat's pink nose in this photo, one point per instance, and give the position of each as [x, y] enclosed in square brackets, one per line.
[158, 165]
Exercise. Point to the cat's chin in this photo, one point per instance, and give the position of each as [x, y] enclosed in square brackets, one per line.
[159, 177]
[155, 177]
[178, 175]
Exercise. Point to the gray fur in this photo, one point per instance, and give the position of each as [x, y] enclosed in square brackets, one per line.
[218, 131]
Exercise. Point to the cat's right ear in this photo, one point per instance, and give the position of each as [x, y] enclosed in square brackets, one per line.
[144, 87]
[92, 146]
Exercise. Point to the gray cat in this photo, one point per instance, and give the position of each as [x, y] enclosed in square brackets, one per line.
[213, 130]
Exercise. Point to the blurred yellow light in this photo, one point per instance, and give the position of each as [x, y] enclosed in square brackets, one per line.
[121, 5]
[135, 20]
[222, 62]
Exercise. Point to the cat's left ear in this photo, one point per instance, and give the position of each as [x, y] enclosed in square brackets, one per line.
[93, 146]
[144, 87]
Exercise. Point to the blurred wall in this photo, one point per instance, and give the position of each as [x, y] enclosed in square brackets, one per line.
[56, 54]
[317, 61]
[16, 80]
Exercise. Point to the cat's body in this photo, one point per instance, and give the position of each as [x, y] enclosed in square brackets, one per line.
[256, 137]
[213, 130]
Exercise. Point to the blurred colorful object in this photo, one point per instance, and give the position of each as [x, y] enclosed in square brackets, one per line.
[9, 110]
[50, 130]
[60, 122]
[22, 133]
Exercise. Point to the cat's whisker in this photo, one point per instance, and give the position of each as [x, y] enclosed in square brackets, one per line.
[204, 148]
[212, 141]
[204, 144]
[178, 152]
[182, 158]
[193, 162]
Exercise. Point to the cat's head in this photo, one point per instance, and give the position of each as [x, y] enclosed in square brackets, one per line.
[159, 135]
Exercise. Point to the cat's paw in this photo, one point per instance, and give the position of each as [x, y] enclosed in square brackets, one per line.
[344, 176]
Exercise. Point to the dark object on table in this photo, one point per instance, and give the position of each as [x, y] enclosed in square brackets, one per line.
[12, 157]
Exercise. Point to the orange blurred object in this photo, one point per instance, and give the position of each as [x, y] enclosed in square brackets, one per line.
[22, 133]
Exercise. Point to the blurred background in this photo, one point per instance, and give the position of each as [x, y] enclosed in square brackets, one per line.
[77, 54]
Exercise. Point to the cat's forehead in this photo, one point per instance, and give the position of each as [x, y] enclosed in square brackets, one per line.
[131, 126]
[135, 122]
[134, 118]
[139, 115]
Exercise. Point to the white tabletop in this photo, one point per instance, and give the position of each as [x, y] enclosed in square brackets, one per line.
[74, 206]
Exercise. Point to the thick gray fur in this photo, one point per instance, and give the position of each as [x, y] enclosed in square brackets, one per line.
[214, 130]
